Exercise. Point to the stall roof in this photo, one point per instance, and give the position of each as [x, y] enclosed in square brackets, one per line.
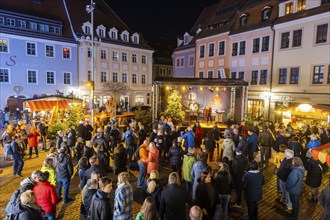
[42, 105]
[200, 82]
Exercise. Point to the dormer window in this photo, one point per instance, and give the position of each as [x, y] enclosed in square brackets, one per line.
[289, 8]
[186, 38]
[113, 33]
[87, 26]
[100, 30]
[266, 13]
[243, 20]
[124, 36]
[136, 38]
[301, 5]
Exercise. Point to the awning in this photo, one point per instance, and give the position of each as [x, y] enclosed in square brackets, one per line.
[42, 105]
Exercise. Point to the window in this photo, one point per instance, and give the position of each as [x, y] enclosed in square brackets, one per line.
[143, 79]
[318, 74]
[89, 52]
[241, 75]
[50, 51]
[114, 77]
[31, 49]
[10, 22]
[143, 59]
[234, 49]
[124, 77]
[2, 20]
[201, 51]
[263, 77]
[101, 32]
[113, 35]
[265, 15]
[191, 61]
[43, 28]
[254, 77]
[282, 76]
[32, 77]
[322, 33]
[211, 49]
[134, 58]
[103, 76]
[89, 75]
[4, 75]
[87, 30]
[222, 48]
[289, 8]
[325, 2]
[256, 45]
[134, 79]
[328, 81]
[33, 26]
[242, 48]
[285, 40]
[21, 24]
[139, 99]
[125, 37]
[210, 74]
[233, 75]
[4, 45]
[135, 39]
[265, 44]
[301, 4]
[115, 56]
[66, 78]
[296, 38]
[50, 77]
[243, 21]
[103, 54]
[182, 62]
[201, 75]
[56, 30]
[186, 39]
[66, 53]
[294, 76]
[124, 57]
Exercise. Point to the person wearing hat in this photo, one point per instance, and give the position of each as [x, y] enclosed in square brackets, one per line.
[313, 143]
[81, 130]
[314, 175]
[283, 173]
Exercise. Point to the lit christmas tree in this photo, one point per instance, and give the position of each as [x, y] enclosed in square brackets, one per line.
[174, 107]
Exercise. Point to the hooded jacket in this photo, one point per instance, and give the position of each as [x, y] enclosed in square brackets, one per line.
[294, 183]
[46, 196]
[188, 161]
[100, 207]
[24, 212]
[314, 173]
[196, 170]
[64, 168]
[228, 147]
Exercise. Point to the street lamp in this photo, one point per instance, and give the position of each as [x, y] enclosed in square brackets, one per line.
[90, 10]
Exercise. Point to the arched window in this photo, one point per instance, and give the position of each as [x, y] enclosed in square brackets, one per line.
[266, 11]
[243, 20]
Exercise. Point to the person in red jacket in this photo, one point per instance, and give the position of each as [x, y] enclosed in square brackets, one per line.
[33, 135]
[46, 196]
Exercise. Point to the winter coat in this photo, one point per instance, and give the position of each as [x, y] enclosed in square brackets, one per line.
[284, 169]
[46, 196]
[222, 183]
[142, 136]
[188, 161]
[143, 153]
[88, 152]
[72, 138]
[210, 144]
[156, 194]
[314, 173]
[175, 154]
[205, 198]
[81, 131]
[52, 174]
[88, 198]
[24, 212]
[153, 163]
[64, 167]
[239, 166]
[252, 185]
[88, 134]
[196, 170]
[173, 203]
[244, 146]
[313, 144]
[33, 138]
[324, 200]
[100, 207]
[199, 136]
[189, 139]
[101, 141]
[59, 141]
[89, 171]
[42, 129]
[324, 138]
[296, 147]
[280, 139]
[294, 183]
[265, 139]
[228, 147]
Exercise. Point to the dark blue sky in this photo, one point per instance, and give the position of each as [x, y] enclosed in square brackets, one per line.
[161, 18]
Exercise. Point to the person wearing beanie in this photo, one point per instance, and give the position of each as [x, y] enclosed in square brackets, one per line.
[283, 173]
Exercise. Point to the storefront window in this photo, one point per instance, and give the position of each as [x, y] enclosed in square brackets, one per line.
[256, 108]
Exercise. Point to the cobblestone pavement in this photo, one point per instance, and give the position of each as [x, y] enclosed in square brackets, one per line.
[269, 207]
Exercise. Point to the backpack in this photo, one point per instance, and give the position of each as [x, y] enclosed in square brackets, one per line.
[129, 140]
[137, 154]
[10, 149]
[14, 216]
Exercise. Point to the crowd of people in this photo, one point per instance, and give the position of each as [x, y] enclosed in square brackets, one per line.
[240, 153]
